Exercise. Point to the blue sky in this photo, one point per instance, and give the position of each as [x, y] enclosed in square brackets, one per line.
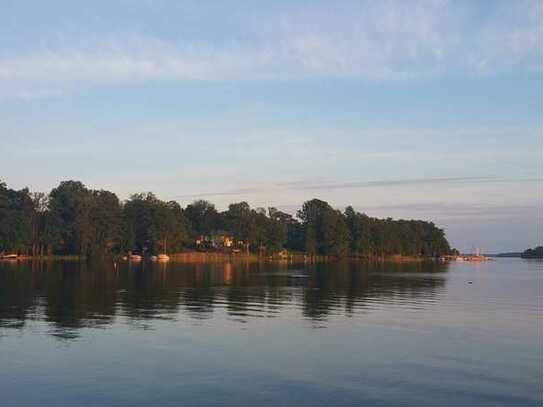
[427, 109]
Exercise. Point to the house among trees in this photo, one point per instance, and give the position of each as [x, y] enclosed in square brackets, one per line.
[219, 240]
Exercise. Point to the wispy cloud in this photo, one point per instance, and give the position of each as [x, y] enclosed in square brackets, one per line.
[391, 40]
[319, 186]
[460, 212]
[232, 192]
[388, 183]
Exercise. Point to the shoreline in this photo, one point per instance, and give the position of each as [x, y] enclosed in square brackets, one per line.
[218, 257]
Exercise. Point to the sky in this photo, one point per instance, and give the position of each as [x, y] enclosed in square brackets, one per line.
[428, 109]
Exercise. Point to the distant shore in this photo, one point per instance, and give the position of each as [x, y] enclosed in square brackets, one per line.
[194, 256]
[210, 257]
[536, 253]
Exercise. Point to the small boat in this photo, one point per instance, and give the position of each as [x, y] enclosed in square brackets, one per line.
[298, 276]
[9, 256]
[154, 258]
[478, 258]
[135, 257]
[163, 257]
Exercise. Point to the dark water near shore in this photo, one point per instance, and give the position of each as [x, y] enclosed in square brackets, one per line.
[265, 335]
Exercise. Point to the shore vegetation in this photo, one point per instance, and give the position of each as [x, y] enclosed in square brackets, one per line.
[73, 220]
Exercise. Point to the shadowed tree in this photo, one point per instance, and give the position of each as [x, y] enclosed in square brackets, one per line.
[202, 217]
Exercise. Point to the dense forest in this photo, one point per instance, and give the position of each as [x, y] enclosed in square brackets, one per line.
[75, 220]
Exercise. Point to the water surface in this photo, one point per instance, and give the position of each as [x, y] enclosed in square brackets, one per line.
[265, 335]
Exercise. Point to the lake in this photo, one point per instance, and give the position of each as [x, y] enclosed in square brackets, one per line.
[271, 335]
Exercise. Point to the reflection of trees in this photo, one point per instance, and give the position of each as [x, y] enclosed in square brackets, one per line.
[69, 295]
[350, 286]
[79, 295]
[147, 291]
[17, 296]
[73, 295]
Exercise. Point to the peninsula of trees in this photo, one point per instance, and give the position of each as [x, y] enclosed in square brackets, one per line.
[75, 220]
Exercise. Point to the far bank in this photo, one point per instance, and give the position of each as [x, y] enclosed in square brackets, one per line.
[211, 257]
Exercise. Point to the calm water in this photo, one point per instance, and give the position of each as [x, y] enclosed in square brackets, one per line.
[268, 335]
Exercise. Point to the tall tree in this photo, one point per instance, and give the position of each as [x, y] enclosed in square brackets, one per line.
[105, 222]
[240, 222]
[203, 218]
[70, 205]
[277, 229]
[152, 225]
[325, 229]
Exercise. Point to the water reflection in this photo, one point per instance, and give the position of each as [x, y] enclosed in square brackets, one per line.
[72, 295]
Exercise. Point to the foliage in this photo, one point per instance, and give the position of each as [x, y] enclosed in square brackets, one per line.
[202, 217]
[325, 229]
[15, 219]
[385, 237]
[73, 219]
[152, 225]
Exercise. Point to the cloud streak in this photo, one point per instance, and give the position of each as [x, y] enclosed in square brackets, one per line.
[315, 186]
[390, 183]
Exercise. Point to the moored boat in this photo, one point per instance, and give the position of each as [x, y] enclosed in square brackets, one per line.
[135, 257]
[10, 256]
[163, 257]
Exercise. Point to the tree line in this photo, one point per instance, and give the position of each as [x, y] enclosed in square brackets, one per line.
[75, 220]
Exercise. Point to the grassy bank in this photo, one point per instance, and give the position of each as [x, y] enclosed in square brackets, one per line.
[218, 257]
[46, 258]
